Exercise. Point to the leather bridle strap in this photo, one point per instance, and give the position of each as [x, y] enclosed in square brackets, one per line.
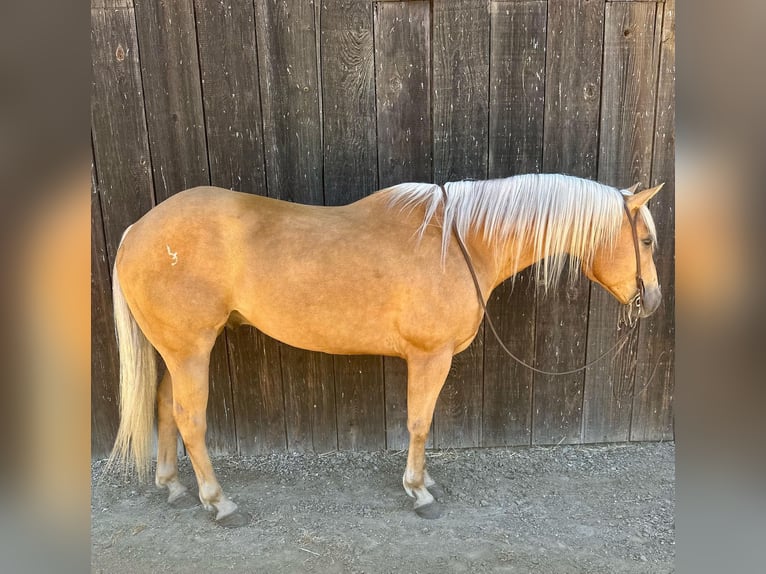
[617, 345]
[638, 299]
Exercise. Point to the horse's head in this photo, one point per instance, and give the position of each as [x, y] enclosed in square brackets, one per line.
[623, 269]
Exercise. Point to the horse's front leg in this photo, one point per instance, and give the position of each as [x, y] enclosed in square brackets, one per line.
[425, 379]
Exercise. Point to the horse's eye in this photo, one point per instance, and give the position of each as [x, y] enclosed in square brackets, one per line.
[648, 241]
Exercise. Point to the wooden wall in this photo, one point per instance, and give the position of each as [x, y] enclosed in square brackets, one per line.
[326, 101]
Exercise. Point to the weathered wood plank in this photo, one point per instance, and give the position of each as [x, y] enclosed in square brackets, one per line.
[287, 56]
[631, 54]
[348, 88]
[310, 411]
[570, 145]
[460, 89]
[231, 95]
[395, 380]
[360, 403]
[655, 372]
[259, 410]
[517, 88]
[172, 95]
[118, 124]
[350, 170]
[460, 52]
[402, 89]
[105, 365]
[573, 86]
[516, 111]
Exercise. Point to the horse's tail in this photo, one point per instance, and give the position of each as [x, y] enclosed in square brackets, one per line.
[138, 388]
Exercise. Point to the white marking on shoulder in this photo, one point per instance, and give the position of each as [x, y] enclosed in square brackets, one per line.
[173, 255]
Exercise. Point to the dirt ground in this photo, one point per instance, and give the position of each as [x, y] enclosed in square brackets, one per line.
[558, 510]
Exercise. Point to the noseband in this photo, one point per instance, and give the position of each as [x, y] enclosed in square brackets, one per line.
[631, 311]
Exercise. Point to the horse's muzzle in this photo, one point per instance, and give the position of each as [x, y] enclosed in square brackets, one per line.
[651, 300]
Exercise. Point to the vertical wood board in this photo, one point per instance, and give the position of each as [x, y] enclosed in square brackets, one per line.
[118, 124]
[172, 95]
[287, 57]
[655, 373]
[627, 121]
[105, 366]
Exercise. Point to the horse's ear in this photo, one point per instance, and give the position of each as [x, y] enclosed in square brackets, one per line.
[633, 188]
[638, 199]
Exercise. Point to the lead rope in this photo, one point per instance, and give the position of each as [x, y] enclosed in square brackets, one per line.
[617, 345]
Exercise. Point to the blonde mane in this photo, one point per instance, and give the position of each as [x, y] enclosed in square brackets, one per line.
[563, 217]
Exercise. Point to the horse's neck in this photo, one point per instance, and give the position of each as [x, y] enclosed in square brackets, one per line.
[498, 260]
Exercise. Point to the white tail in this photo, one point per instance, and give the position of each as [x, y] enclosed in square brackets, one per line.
[138, 389]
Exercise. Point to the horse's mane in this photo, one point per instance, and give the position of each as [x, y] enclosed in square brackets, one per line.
[568, 217]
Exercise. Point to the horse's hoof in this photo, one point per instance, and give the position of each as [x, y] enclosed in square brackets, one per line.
[234, 520]
[436, 491]
[429, 511]
[183, 501]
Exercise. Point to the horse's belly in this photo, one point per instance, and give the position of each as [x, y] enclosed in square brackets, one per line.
[334, 331]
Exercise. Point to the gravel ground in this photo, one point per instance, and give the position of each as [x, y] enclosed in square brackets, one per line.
[559, 510]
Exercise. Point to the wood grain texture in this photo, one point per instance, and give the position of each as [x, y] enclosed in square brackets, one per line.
[118, 124]
[516, 111]
[310, 410]
[631, 52]
[402, 90]
[573, 86]
[652, 417]
[517, 87]
[359, 392]
[172, 95]
[395, 379]
[260, 407]
[460, 52]
[348, 86]
[287, 58]
[460, 89]
[231, 95]
[105, 366]
[570, 145]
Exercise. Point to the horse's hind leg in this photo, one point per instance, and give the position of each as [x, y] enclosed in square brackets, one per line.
[190, 393]
[425, 379]
[167, 447]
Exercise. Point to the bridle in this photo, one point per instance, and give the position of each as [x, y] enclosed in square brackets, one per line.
[628, 317]
[632, 309]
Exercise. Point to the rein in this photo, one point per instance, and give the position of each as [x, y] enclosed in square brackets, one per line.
[628, 318]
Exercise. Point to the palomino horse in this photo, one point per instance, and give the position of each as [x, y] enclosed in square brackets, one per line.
[380, 276]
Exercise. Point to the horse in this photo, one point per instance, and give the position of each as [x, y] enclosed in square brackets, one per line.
[381, 276]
